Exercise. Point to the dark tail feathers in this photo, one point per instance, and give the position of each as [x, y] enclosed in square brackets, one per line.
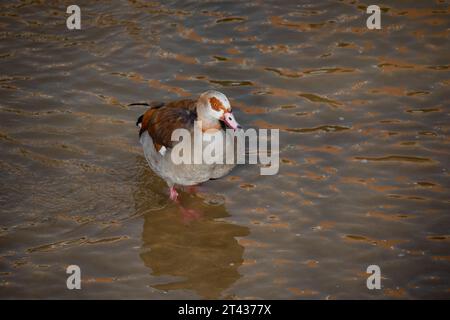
[152, 105]
[139, 120]
[139, 104]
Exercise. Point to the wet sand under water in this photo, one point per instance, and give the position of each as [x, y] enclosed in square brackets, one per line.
[364, 145]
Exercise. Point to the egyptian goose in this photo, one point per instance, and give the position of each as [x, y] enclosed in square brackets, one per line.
[211, 111]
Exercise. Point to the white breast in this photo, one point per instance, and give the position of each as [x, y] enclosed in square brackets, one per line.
[186, 174]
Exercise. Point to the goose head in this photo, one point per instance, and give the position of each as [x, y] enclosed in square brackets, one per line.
[212, 107]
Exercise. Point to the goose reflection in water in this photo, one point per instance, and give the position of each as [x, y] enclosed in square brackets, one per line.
[202, 253]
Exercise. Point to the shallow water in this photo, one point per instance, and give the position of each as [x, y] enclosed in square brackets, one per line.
[364, 146]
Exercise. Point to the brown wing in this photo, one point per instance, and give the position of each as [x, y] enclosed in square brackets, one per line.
[160, 121]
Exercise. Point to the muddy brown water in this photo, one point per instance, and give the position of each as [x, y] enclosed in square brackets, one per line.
[364, 147]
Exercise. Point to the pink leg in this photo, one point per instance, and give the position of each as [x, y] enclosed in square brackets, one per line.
[173, 194]
[197, 188]
[191, 189]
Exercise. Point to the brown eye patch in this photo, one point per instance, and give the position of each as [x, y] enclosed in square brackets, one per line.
[216, 104]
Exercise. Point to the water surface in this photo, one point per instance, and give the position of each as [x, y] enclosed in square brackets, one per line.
[364, 120]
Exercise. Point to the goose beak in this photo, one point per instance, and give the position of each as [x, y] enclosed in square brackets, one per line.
[230, 121]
